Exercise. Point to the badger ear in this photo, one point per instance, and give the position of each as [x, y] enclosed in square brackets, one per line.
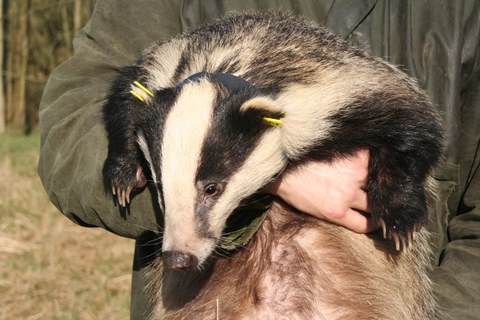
[262, 104]
[266, 109]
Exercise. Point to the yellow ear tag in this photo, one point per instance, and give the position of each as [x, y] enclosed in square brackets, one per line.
[138, 84]
[139, 97]
[141, 87]
[273, 122]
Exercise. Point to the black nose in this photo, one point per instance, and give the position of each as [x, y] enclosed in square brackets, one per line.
[179, 260]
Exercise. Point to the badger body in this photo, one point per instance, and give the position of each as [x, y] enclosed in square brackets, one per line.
[298, 267]
[200, 124]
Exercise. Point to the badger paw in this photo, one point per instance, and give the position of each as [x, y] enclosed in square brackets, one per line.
[121, 178]
[401, 217]
[398, 201]
[123, 194]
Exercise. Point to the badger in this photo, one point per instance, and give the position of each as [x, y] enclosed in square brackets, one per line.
[215, 114]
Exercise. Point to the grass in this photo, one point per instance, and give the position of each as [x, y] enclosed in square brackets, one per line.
[51, 268]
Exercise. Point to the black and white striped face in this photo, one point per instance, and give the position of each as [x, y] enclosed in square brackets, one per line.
[216, 150]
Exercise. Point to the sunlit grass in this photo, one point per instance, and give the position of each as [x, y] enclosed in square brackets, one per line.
[51, 268]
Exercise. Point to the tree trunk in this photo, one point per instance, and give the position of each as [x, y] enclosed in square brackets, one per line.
[17, 62]
[2, 94]
[67, 33]
[77, 15]
[12, 54]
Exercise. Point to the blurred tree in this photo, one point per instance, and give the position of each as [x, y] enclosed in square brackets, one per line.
[17, 60]
[37, 36]
[2, 94]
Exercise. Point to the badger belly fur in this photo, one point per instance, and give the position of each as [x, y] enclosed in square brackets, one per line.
[196, 109]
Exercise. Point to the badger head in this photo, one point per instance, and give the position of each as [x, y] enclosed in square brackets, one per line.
[212, 150]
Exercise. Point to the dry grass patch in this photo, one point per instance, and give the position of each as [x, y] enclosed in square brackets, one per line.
[51, 268]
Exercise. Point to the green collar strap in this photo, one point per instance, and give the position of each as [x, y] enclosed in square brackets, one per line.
[245, 221]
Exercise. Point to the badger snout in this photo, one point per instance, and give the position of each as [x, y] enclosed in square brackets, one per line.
[179, 260]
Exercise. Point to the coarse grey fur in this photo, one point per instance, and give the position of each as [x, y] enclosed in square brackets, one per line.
[208, 149]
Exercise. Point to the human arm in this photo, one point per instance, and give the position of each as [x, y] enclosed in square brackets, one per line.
[73, 138]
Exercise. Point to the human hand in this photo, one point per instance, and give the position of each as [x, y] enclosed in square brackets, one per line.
[333, 191]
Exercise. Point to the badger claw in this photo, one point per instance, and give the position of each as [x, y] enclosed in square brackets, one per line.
[122, 193]
[396, 240]
[127, 194]
[123, 198]
[384, 228]
[411, 237]
[403, 241]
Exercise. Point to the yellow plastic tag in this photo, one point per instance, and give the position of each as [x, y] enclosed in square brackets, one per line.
[139, 97]
[273, 122]
[138, 84]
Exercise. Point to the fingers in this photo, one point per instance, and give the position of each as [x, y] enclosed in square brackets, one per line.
[360, 202]
[333, 191]
[355, 217]
[356, 221]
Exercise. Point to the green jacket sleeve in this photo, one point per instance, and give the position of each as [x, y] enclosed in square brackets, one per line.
[73, 139]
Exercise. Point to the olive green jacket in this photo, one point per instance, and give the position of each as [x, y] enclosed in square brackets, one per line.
[435, 41]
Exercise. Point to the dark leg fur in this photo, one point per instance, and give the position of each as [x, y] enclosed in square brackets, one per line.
[124, 115]
[397, 196]
[122, 170]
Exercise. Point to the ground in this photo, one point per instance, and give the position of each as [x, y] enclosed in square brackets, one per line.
[50, 268]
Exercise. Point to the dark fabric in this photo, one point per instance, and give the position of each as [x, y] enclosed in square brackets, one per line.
[435, 41]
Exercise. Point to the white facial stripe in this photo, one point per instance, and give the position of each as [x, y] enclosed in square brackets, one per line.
[185, 129]
[259, 168]
[142, 142]
[165, 61]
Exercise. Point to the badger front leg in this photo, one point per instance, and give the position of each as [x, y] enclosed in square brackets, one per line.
[404, 136]
[123, 111]
[122, 174]
[397, 196]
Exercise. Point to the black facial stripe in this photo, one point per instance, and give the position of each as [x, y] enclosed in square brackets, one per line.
[230, 82]
[152, 126]
[183, 64]
[230, 65]
[231, 138]
[202, 222]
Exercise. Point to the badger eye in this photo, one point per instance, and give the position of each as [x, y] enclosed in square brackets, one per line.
[211, 189]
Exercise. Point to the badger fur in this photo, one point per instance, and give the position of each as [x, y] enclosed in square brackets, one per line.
[200, 126]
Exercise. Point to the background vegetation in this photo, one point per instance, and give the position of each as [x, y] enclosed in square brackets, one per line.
[35, 36]
[50, 268]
